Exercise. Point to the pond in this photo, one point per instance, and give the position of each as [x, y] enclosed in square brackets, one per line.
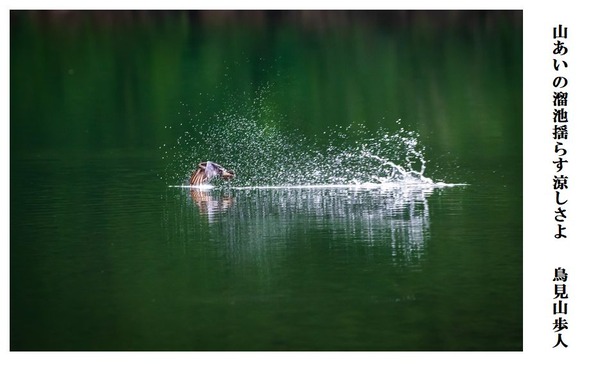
[377, 203]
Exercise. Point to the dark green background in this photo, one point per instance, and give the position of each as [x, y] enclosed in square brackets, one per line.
[106, 256]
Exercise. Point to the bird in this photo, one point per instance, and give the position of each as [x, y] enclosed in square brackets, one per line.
[207, 170]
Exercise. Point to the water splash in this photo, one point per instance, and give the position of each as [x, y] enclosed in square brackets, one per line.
[251, 141]
[358, 182]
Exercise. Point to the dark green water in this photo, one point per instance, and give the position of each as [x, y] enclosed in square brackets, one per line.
[110, 110]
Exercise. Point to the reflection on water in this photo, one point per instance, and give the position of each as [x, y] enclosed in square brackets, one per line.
[210, 205]
[252, 220]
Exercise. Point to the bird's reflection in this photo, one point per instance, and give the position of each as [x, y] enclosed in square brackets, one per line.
[210, 204]
[265, 224]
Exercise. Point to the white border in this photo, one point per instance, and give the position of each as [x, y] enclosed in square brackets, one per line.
[539, 365]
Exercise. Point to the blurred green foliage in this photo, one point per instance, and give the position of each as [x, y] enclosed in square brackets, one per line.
[100, 79]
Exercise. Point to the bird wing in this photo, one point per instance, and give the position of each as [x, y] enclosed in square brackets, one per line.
[211, 170]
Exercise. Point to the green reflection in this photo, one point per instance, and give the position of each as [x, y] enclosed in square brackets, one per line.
[108, 79]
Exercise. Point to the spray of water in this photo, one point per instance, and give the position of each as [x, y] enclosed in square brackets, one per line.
[252, 143]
